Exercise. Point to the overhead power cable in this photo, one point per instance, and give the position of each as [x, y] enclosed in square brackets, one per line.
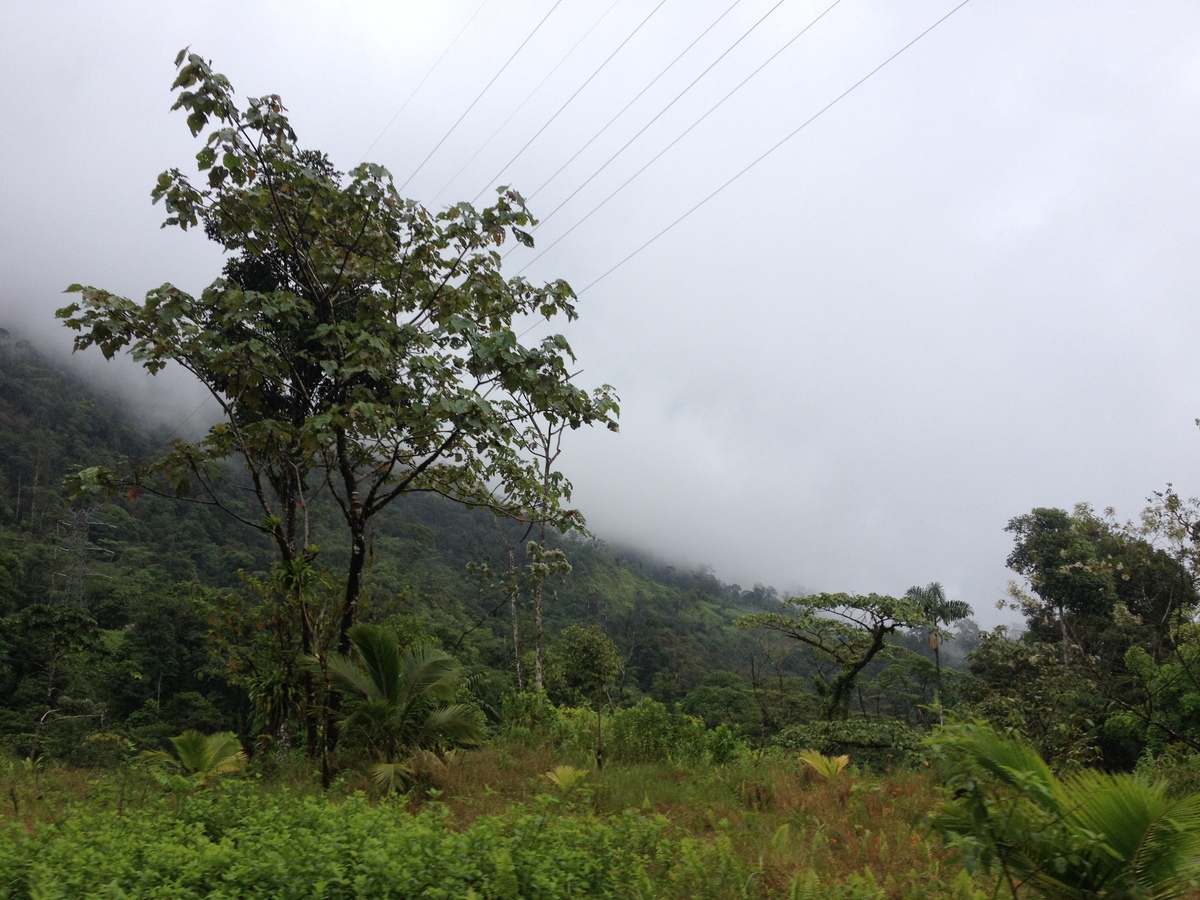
[685, 133]
[421, 84]
[458, 121]
[178, 428]
[528, 97]
[504, 168]
[670, 65]
[776, 146]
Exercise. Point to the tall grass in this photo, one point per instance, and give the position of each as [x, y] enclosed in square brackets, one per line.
[790, 828]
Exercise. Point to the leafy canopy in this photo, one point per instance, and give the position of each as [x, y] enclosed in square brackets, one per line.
[356, 342]
[1099, 586]
[850, 629]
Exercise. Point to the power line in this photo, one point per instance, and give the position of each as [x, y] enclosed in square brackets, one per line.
[677, 97]
[689, 129]
[421, 84]
[528, 97]
[503, 168]
[203, 403]
[635, 99]
[481, 93]
[776, 146]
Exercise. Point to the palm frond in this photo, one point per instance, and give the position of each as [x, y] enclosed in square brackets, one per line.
[404, 701]
[430, 673]
[1088, 834]
[1012, 763]
[225, 754]
[566, 777]
[457, 723]
[379, 655]
[389, 777]
[347, 675]
[202, 756]
[827, 767]
[1169, 852]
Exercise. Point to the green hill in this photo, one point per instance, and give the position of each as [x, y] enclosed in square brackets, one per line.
[113, 613]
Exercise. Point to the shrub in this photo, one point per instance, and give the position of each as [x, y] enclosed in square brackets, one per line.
[241, 843]
[722, 745]
[878, 745]
[527, 714]
[650, 733]
[1177, 764]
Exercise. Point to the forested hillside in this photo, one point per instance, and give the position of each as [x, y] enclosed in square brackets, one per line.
[110, 609]
[148, 615]
[151, 615]
[147, 627]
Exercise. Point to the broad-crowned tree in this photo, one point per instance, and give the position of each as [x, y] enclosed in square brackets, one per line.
[356, 341]
[1099, 587]
[849, 629]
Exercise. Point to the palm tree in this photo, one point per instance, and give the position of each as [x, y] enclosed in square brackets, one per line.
[404, 701]
[939, 611]
[202, 756]
[1088, 834]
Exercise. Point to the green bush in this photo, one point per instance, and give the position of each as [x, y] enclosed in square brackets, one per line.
[644, 733]
[239, 842]
[723, 703]
[722, 745]
[1176, 764]
[527, 714]
[650, 733]
[574, 731]
[878, 745]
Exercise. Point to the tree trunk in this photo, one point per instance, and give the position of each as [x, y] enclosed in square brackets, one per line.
[837, 701]
[354, 574]
[513, 591]
[516, 636]
[537, 638]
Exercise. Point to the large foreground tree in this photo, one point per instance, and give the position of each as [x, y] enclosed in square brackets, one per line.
[357, 344]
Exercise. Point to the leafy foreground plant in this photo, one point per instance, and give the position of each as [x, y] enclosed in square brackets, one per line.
[243, 842]
[826, 766]
[1084, 835]
[404, 702]
[201, 757]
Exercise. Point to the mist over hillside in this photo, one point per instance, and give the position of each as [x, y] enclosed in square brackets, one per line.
[899, 346]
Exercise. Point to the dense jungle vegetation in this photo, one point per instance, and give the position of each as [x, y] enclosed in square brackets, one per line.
[131, 622]
[353, 640]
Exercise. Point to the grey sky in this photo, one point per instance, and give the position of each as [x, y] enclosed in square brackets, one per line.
[966, 290]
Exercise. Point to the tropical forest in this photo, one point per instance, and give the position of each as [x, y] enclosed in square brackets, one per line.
[350, 638]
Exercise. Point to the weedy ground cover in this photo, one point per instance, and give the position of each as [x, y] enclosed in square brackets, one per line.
[490, 822]
[789, 826]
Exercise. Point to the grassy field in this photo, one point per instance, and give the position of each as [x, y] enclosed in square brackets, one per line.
[785, 823]
[490, 823]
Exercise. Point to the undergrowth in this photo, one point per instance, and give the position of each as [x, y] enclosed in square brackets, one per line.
[490, 824]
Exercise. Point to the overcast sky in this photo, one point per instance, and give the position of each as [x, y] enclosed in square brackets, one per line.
[968, 288]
